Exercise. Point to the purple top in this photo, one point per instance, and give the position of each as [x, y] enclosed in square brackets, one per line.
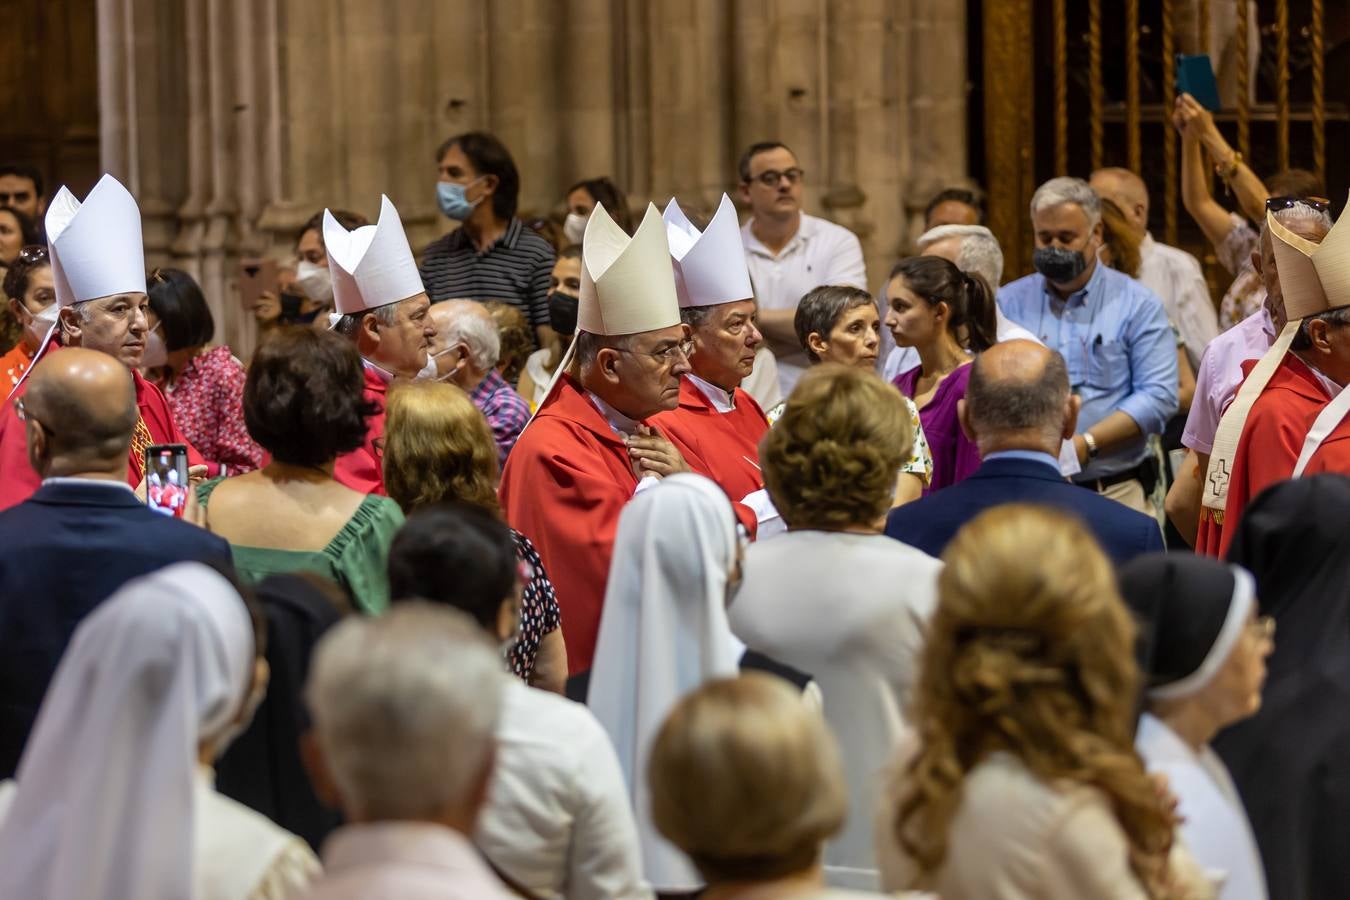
[954, 457]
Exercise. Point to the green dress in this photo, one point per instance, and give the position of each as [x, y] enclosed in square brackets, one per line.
[357, 558]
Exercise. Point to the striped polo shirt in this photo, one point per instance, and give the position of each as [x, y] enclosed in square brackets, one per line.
[515, 269]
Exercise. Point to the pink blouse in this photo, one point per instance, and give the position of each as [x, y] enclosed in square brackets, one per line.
[207, 403]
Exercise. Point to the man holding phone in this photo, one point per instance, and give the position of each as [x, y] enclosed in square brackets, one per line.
[385, 312]
[98, 264]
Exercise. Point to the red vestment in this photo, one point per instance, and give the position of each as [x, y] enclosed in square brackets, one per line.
[564, 485]
[18, 481]
[721, 446]
[1334, 453]
[363, 468]
[1268, 449]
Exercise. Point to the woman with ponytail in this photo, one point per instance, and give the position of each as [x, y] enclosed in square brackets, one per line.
[834, 597]
[1022, 780]
[946, 315]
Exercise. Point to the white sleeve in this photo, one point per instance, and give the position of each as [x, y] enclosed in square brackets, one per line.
[605, 860]
[846, 264]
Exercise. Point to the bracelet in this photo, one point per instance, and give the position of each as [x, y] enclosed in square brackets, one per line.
[1091, 443]
[1228, 170]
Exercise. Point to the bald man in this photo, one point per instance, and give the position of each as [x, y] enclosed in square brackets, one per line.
[465, 351]
[1018, 410]
[82, 534]
[1171, 273]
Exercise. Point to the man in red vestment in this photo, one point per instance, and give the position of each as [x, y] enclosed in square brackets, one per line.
[589, 448]
[1314, 363]
[99, 272]
[717, 426]
[385, 310]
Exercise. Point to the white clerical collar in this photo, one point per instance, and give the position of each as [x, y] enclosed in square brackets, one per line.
[623, 426]
[106, 482]
[722, 401]
[385, 375]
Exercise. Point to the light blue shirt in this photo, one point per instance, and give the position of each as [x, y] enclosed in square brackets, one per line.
[1119, 349]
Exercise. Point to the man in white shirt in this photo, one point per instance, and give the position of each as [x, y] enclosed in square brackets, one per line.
[789, 252]
[1171, 273]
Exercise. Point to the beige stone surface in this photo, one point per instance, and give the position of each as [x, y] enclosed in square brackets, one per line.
[234, 120]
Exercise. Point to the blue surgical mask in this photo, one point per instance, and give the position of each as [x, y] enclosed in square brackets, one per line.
[454, 205]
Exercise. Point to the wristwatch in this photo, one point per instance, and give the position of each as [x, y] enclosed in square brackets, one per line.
[1091, 443]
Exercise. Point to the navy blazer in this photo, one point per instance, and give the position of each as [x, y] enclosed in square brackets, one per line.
[929, 523]
[62, 552]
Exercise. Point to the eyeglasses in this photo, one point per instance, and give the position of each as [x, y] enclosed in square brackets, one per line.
[1275, 204]
[771, 177]
[32, 254]
[667, 356]
[25, 416]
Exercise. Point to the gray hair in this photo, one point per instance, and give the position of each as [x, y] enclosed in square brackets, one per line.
[980, 251]
[473, 327]
[405, 707]
[1058, 191]
[1301, 213]
[347, 326]
[1016, 404]
[822, 307]
[589, 345]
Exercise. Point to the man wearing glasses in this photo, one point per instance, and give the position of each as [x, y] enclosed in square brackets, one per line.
[590, 447]
[789, 253]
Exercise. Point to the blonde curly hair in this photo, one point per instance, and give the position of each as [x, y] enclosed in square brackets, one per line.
[1030, 654]
[438, 448]
[830, 461]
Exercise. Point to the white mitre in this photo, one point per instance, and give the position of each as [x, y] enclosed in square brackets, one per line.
[95, 247]
[710, 265]
[627, 285]
[372, 266]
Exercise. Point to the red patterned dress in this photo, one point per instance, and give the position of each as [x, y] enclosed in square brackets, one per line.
[207, 403]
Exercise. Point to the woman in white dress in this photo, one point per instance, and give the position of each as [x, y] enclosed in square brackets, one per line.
[1206, 665]
[662, 634]
[113, 797]
[835, 598]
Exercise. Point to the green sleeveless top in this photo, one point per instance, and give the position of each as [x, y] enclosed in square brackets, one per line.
[357, 557]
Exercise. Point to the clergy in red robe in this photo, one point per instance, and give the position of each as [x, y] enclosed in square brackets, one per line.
[1269, 447]
[18, 481]
[717, 426]
[590, 446]
[384, 310]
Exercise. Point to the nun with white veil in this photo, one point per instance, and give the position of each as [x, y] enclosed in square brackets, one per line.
[113, 797]
[664, 633]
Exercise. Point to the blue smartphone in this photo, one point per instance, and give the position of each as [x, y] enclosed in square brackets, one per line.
[1195, 76]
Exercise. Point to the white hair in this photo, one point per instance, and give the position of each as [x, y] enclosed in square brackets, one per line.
[470, 325]
[1301, 214]
[405, 707]
[1058, 191]
[980, 251]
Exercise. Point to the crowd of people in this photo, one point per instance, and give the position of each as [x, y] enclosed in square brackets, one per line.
[632, 553]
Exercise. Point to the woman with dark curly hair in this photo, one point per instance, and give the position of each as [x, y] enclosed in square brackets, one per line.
[303, 404]
[1025, 782]
[438, 448]
[835, 598]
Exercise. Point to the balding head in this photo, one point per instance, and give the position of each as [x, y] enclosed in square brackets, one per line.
[1018, 398]
[81, 410]
[1126, 190]
[468, 335]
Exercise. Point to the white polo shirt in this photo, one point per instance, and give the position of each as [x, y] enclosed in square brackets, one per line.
[819, 253]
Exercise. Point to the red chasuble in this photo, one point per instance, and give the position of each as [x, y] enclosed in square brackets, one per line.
[1334, 453]
[564, 485]
[18, 481]
[721, 446]
[1271, 441]
[362, 469]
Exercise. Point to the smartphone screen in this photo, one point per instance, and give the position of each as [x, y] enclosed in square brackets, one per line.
[256, 277]
[166, 478]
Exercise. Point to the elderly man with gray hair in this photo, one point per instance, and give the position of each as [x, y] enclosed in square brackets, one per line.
[1113, 334]
[1017, 410]
[405, 710]
[465, 352]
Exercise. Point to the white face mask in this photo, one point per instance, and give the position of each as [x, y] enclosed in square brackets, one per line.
[315, 280]
[574, 226]
[36, 329]
[156, 353]
[430, 370]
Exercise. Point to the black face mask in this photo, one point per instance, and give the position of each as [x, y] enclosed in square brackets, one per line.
[562, 312]
[1059, 266]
